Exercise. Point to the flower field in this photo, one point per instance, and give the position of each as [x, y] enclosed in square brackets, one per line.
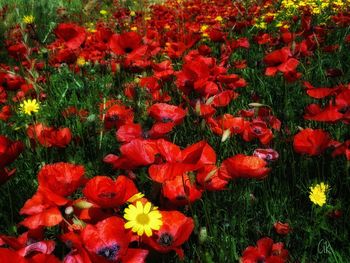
[174, 131]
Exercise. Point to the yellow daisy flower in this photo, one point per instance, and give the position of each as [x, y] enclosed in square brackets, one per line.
[318, 194]
[142, 218]
[81, 61]
[28, 19]
[29, 106]
[103, 12]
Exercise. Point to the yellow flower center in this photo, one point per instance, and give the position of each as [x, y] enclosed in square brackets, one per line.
[142, 219]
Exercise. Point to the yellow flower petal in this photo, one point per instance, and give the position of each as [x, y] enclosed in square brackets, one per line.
[148, 230]
[147, 208]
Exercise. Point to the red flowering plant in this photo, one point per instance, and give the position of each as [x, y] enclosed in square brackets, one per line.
[49, 136]
[336, 110]
[265, 251]
[56, 182]
[175, 230]
[311, 142]
[251, 124]
[282, 60]
[9, 151]
[164, 79]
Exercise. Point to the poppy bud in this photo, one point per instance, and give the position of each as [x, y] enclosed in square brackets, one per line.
[91, 118]
[282, 228]
[225, 135]
[203, 235]
[83, 204]
[335, 214]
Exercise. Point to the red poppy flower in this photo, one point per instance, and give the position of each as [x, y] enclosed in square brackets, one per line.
[200, 153]
[125, 43]
[43, 258]
[103, 34]
[208, 178]
[40, 202]
[168, 171]
[175, 49]
[9, 150]
[175, 231]
[169, 151]
[343, 148]
[133, 154]
[163, 70]
[160, 129]
[263, 38]
[71, 34]
[118, 115]
[150, 84]
[244, 166]
[3, 95]
[107, 240]
[342, 101]
[61, 179]
[29, 243]
[10, 256]
[227, 122]
[65, 55]
[318, 93]
[5, 113]
[282, 228]
[268, 155]
[11, 81]
[257, 129]
[61, 137]
[18, 51]
[163, 112]
[311, 142]
[129, 132]
[192, 72]
[106, 193]
[265, 251]
[330, 113]
[224, 98]
[47, 218]
[204, 110]
[280, 60]
[55, 181]
[172, 165]
[180, 190]
[49, 136]
[78, 253]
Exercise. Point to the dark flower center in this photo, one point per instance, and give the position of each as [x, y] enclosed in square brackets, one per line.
[31, 241]
[166, 120]
[127, 49]
[257, 131]
[110, 252]
[180, 197]
[108, 195]
[261, 260]
[165, 240]
[344, 109]
[145, 134]
[268, 157]
[113, 118]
